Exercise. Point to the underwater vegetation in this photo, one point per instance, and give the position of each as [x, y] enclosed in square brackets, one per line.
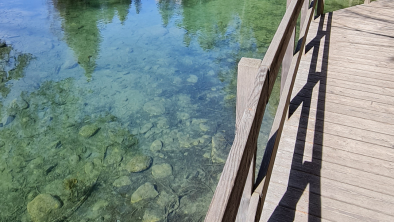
[12, 65]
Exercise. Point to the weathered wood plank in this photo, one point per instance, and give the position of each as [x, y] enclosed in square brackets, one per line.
[352, 94]
[335, 158]
[338, 100]
[341, 157]
[338, 70]
[356, 83]
[342, 174]
[339, 142]
[247, 71]
[329, 208]
[286, 214]
[341, 130]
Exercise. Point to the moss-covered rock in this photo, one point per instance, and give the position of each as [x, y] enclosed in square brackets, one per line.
[89, 130]
[42, 206]
[161, 170]
[139, 163]
[146, 191]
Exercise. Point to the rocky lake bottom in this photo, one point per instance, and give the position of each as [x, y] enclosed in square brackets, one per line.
[120, 110]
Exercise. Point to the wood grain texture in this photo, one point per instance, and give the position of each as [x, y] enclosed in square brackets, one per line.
[336, 152]
[225, 203]
[247, 71]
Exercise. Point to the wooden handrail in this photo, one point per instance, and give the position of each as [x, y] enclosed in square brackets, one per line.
[227, 197]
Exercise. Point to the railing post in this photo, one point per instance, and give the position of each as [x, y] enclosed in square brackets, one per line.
[247, 71]
[287, 57]
[320, 7]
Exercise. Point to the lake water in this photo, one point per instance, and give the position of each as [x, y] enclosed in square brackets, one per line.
[120, 110]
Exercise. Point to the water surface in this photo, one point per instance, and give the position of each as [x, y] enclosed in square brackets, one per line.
[120, 110]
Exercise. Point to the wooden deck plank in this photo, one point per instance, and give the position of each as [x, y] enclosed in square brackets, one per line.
[335, 100]
[335, 157]
[337, 202]
[341, 174]
[358, 83]
[342, 157]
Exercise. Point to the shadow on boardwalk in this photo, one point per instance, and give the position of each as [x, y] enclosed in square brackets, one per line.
[304, 173]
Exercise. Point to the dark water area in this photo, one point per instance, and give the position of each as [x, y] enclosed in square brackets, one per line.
[120, 110]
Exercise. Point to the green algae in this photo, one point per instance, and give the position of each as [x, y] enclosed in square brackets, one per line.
[12, 66]
[183, 93]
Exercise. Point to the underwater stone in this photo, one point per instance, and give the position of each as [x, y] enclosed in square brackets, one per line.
[41, 207]
[89, 168]
[162, 124]
[36, 163]
[204, 127]
[161, 171]
[99, 205]
[146, 127]
[154, 108]
[192, 79]
[88, 130]
[146, 191]
[153, 215]
[165, 199]
[139, 163]
[9, 120]
[183, 116]
[2, 144]
[219, 148]
[74, 159]
[156, 146]
[122, 181]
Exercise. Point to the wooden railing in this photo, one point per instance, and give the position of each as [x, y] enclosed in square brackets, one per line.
[237, 197]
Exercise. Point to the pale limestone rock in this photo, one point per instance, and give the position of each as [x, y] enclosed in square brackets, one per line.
[154, 108]
[100, 205]
[146, 191]
[122, 181]
[192, 79]
[42, 206]
[88, 130]
[146, 127]
[161, 170]
[204, 127]
[139, 163]
[156, 146]
[153, 215]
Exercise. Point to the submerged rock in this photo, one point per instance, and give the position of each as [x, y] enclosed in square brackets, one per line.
[146, 127]
[154, 108]
[139, 163]
[122, 181]
[204, 127]
[9, 120]
[153, 215]
[156, 146]
[192, 79]
[73, 159]
[146, 191]
[161, 170]
[41, 207]
[100, 205]
[219, 149]
[89, 130]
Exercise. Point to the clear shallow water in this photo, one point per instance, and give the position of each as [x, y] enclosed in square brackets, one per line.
[120, 110]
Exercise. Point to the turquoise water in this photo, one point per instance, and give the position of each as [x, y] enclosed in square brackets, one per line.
[121, 110]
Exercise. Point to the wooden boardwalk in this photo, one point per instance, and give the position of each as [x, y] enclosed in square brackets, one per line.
[335, 161]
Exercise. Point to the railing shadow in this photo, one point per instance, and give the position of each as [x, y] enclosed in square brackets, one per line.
[304, 173]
